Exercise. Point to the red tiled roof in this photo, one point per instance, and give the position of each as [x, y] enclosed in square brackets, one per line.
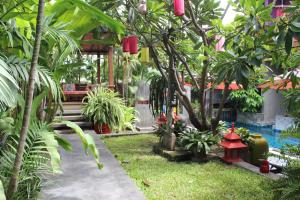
[221, 86]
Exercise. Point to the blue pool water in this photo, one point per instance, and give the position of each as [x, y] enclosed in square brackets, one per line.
[272, 136]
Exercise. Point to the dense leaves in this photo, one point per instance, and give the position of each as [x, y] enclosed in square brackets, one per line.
[104, 106]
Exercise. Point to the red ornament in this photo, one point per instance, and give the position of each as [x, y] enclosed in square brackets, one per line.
[133, 44]
[232, 145]
[126, 47]
[264, 168]
[179, 7]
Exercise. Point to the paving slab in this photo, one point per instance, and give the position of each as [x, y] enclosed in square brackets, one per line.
[82, 180]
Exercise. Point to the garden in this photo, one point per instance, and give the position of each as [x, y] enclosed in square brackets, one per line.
[137, 99]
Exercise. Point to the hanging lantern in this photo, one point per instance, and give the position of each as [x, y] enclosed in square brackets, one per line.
[145, 55]
[179, 7]
[220, 43]
[133, 44]
[125, 42]
[277, 12]
[142, 7]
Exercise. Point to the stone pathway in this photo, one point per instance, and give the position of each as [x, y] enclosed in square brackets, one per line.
[82, 180]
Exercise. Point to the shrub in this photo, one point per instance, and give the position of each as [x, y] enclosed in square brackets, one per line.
[198, 142]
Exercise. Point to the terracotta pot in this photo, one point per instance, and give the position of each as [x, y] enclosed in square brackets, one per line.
[102, 129]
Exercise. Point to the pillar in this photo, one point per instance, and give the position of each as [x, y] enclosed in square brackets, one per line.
[111, 84]
[98, 69]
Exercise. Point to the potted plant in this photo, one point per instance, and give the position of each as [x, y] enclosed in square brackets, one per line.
[106, 110]
[198, 142]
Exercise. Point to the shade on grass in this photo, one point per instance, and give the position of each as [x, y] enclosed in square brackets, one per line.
[160, 179]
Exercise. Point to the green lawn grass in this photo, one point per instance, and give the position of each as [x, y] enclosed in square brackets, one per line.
[160, 179]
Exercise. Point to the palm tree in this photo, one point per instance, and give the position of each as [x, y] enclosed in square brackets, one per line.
[13, 183]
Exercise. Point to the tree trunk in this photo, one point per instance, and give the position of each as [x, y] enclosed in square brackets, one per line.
[215, 122]
[13, 183]
[211, 103]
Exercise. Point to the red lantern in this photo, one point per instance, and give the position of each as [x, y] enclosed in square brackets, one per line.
[126, 47]
[232, 145]
[179, 7]
[133, 44]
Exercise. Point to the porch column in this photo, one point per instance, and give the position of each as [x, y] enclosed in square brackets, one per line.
[111, 84]
[98, 69]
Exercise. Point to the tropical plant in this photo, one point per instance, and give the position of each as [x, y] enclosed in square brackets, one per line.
[40, 156]
[130, 118]
[157, 96]
[198, 142]
[103, 106]
[2, 194]
[8, 86]
[13, 183]
[290, 150]
[292, 101]
[222, 127]
[247, 100]
[293, 131]
[22, 34]
[288, 187]
[244, 133]
[179, 127]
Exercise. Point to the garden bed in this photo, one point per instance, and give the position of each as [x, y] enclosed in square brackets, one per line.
[161, 179]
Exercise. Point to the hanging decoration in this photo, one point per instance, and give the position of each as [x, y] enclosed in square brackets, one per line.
[179, 7]
[142, 7]
[133, 44]
[125, 42]
[220, 43]
[145, 55]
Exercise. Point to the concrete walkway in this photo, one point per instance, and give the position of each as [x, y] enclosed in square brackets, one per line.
[82, 180]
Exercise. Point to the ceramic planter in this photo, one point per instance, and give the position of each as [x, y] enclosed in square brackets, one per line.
[102, 129]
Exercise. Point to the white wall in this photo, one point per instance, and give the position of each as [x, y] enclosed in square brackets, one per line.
[272, 105]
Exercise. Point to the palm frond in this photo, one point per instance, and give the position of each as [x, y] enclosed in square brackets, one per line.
[41, 156]
[8, 86]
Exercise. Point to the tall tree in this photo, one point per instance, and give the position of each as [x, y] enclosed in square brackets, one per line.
[13, 183]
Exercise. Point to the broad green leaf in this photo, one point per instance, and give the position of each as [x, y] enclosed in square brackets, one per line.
[87, 141]
[86, 19]
[2, 194]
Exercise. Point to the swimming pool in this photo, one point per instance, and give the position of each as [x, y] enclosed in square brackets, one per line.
[272, 136]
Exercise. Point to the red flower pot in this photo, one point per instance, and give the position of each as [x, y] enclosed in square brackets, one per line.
[102, 129]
